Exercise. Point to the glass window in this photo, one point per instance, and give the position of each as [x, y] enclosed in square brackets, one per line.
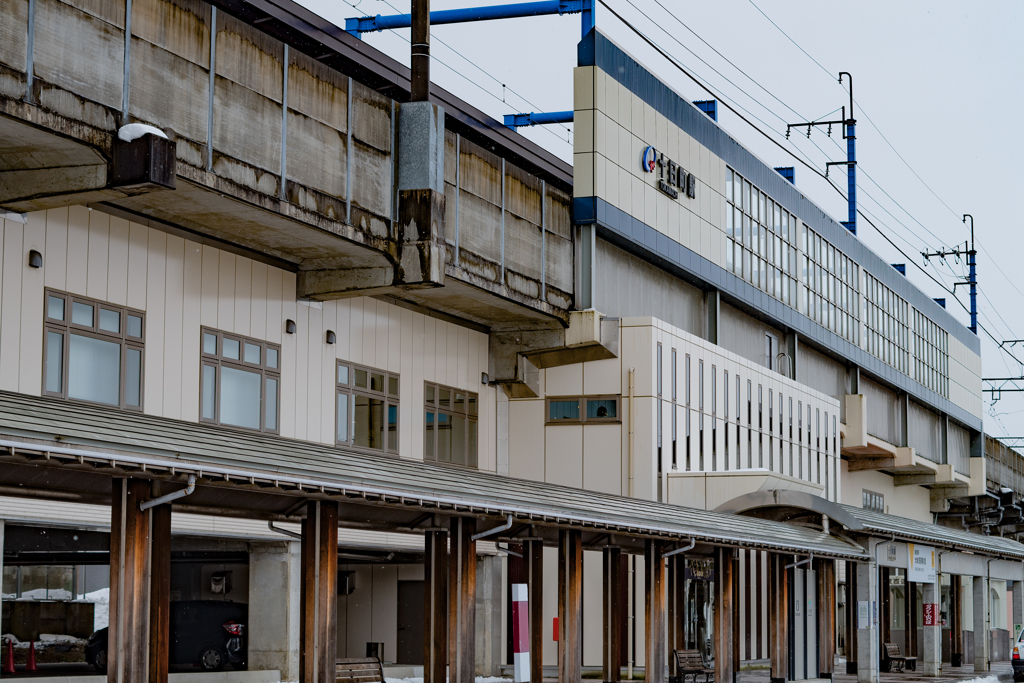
[578, 409]
[238, 388]
[90, 358]
[450, 432]
[367, 416]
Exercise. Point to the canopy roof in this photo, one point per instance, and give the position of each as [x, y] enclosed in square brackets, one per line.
[85, 441]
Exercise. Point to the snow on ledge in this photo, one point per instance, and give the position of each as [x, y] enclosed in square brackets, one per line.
[134, 131]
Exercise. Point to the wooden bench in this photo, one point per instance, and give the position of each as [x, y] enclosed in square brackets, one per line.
[691, 663]
[367, 670]
[892, 660]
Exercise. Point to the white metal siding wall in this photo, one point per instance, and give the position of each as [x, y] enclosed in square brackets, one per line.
[745, 336]
[182, 285]
[820, 372]
[629, 286]
[925, 433]
[883, 412]
[959, 440]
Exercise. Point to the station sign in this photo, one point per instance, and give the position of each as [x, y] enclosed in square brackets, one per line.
[673, 179]
[921, 564]
[700, 570]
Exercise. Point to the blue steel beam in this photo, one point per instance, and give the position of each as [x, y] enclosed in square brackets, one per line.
[359, 25]
[514, 121]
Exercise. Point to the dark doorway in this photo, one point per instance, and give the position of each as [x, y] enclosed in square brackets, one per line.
[410, 622]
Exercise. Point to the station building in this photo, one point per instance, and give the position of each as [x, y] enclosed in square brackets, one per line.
[364, 364]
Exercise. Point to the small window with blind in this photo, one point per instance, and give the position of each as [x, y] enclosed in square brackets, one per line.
[450, 425]
[367, 406]
[93, 351]
[240, 384]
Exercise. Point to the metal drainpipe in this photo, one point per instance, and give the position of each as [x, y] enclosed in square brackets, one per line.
[631, 422]
[181, 493]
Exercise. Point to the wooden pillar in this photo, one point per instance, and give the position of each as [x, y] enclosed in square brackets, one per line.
[611, 592]
[826, 617]
[570, 606]
[128, 632]
[435, 606]
[462, 601]
[778, 617]
[885, 609]
[726, 618]
[851, 617]
[318, 618]
[911, 619]
[533, 558]
[676, 606]
[160, 594]
[956, 622]
[654, 612]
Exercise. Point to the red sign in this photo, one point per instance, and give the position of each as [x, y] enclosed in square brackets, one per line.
[931, 614]
[554, 629]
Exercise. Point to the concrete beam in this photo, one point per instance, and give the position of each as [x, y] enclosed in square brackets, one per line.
[322, 285]
[878, 462]
[914, 479]
[516, 358]
[81, 175]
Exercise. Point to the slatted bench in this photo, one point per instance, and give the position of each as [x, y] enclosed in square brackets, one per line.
[894, 661]
[367, 670]
[690, 663]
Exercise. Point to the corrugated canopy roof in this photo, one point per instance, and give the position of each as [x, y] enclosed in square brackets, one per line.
[144, 439]
[912, 530]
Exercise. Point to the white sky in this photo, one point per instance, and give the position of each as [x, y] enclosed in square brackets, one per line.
[941, 80]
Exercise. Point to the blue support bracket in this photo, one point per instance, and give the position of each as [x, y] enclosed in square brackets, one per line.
[787, 172]
[514, 121]
[941, 301]
[357, 26]
[901, 268]
[709, 107]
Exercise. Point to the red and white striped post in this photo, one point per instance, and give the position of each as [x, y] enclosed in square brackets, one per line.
[521, 633]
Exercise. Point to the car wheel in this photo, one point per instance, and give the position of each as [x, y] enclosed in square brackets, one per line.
[211, 660]
[101, 661]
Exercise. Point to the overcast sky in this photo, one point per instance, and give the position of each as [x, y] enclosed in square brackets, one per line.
[941, 81]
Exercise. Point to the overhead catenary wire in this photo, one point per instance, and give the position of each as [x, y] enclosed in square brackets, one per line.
[895, 151]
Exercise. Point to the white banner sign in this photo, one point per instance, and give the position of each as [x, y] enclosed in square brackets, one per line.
[922, 563]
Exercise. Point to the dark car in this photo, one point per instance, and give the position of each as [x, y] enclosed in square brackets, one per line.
[204, 633]
[1017, 658]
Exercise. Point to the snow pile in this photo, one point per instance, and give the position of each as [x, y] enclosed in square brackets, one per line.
[50, 638]
[46, 594]
[479, 679]
[983, 679]
[101, 611]
[134, 131]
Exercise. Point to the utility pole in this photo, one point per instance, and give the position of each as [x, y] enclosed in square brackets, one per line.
[849, 134]
[972, 272]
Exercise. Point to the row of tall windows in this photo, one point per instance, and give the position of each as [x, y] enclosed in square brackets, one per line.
[93, 352]
[762, 247]
[829, 295]
[777, 253]
[931, 354]
[887, 323]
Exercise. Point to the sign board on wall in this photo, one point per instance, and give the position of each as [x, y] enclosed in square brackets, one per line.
[921, 565]
[863, 614]
[931, 614]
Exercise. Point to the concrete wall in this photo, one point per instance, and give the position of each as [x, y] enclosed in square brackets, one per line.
[182, 285]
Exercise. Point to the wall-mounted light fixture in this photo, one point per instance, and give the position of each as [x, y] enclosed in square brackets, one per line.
[331, 337]
[35, 259]
[484, 379]
[289, 326]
